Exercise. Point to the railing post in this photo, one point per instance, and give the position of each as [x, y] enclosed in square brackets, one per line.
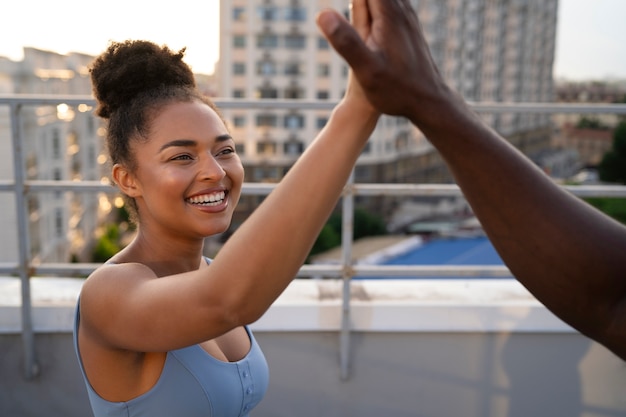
[347, 228]
[31, 367]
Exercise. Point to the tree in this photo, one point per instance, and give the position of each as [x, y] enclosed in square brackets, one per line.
[613, 165]
[365, 224]
[107, 245]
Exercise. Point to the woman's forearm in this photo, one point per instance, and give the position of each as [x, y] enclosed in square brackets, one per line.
[265, 253]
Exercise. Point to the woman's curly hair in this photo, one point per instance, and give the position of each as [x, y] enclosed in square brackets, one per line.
[132, 81]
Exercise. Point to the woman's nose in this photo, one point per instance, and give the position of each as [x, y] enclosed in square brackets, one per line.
[211, 169]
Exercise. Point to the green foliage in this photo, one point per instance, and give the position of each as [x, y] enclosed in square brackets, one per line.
[327, 239]
[107, 245]
[365, 224]
[613, 165]
[590, 123]
[614, 207]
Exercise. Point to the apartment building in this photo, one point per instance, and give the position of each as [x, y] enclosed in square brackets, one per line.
[489, 50]
[59, 143]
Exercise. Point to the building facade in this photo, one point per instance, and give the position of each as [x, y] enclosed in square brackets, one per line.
[59, 143]
[488, 50]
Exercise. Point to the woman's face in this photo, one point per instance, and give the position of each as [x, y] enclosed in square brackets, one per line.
[188, 175]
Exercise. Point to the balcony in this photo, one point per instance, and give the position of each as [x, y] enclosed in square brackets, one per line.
[469, 345]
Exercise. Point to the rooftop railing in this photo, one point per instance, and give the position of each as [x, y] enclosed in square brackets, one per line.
[20, 187]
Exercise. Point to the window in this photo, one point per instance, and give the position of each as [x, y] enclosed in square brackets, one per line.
[266, 68]
[322, 95]
[294, 68]
[266, 40]
[267, 13]
[321, 122]
[293, 147]
[239, 41]
[239, 93]
[294, 121]
[267, 92]
[266, 148]
[240, 148]
[266, 120]
[294, 92]
[239, 68]
[322, 43]
[239, 14]
[239, 121]
[58, 222]
[295, 14]
[56, 144]
[323, 70]
[295, 41]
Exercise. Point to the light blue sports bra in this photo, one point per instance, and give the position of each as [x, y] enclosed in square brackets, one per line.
[192, 384]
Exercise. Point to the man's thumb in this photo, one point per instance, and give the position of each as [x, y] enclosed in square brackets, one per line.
[343, 37]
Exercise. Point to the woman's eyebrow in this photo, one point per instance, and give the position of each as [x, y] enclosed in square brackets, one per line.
[223, 138]
[178, 143]
[190, 142]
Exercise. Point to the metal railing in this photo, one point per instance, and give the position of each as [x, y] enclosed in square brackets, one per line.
[21, 188]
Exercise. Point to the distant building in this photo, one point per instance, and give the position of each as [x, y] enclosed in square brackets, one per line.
[489, 50]
[590, 144]
[590, 135]
[60, 143]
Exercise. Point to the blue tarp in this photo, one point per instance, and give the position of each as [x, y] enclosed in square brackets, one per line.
[452, 251]
[448, 251]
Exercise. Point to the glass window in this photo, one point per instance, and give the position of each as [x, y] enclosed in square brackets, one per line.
[295, 14]
[239, 41]
[56, 144]
[293, 147]
[295, 41]
[239, 14]
[239, 68]
[266, 68]
[322, 95]
[267, 92]
[266, 120]
[321, 122]
[267, 13]
[294, 93]
[239, 93]
[266, 40]
[294, 121]
[266, 148]
[239, 121]
[322, 43]
[294, 68]
[323, 70]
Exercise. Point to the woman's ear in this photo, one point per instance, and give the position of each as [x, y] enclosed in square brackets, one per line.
[125, 180]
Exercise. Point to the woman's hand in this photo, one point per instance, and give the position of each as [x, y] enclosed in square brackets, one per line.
[355, 96]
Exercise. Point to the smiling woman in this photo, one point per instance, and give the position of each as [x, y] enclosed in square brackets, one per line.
[160, 330]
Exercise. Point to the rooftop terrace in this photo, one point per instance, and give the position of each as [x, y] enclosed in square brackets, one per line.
[336, 346]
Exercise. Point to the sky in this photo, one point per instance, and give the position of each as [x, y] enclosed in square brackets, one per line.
[591, 34]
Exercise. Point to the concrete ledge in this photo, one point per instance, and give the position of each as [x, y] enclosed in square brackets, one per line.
[467, 305]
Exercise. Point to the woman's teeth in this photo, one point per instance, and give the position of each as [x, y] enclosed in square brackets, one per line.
[208, 199]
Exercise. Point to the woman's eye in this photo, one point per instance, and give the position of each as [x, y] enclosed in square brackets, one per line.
[226, 151]
[184, 157]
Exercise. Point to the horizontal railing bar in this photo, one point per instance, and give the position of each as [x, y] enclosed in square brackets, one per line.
[229, 103]
[315, 270]
[380, 189]
[7, 268]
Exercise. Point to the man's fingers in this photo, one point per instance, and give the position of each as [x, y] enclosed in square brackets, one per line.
[344, 38]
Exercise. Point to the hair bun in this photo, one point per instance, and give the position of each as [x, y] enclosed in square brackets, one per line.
[130, 68]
